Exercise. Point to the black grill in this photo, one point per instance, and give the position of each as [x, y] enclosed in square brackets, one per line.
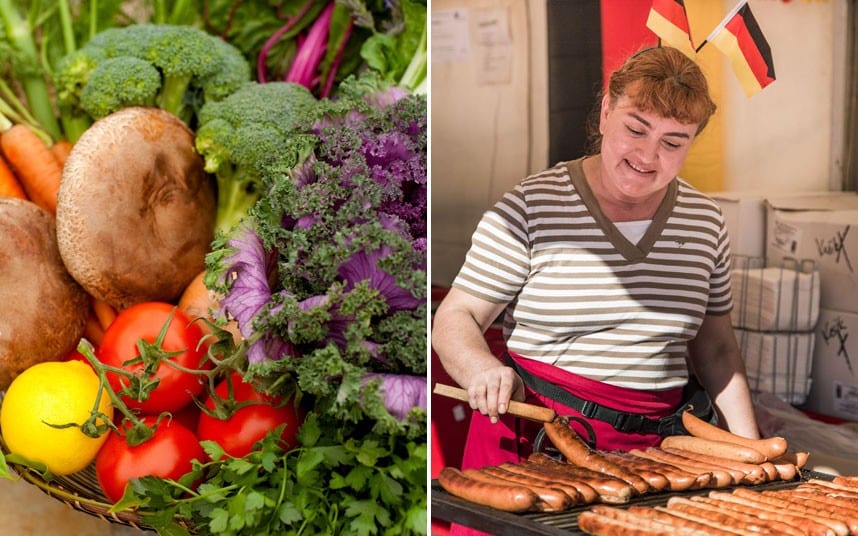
[450, 508]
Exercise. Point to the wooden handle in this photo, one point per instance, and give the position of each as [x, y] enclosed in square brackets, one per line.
[520, 409]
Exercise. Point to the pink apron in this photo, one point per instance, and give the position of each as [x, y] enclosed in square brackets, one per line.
[511, 438]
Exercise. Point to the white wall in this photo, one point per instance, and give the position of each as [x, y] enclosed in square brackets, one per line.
[485, 138]
[788, 137]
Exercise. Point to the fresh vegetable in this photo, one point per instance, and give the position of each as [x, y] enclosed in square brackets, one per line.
[155, 353]
[9, 184]
[44, 309]
[135, 212]
[61, 150]
[168, 454]
[26, 65]
[103, 312]
[401, 56]
[201, 306]
[176, 68]
[326, 278]
[34, 164]
[43, 410]
[33, 38]
[244, 134]
[237, 417]
[320, 43]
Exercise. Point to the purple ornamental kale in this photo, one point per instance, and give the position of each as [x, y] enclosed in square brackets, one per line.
[363, 266]
[249, 266]
[401, 392]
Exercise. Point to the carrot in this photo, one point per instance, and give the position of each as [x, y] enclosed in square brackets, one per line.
[104, 313]
[93, 331]
[34, 164]
[61, 150]
[9, 184]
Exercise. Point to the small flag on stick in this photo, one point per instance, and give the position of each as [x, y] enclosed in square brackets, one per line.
[739, 37]
[669, 21]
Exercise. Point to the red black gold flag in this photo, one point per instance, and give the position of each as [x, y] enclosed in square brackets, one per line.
[669, 21]
[739, 37]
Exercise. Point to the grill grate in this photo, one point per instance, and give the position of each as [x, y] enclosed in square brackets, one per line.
[450, 508]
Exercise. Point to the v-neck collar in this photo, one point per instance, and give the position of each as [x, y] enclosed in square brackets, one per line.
[630, 251]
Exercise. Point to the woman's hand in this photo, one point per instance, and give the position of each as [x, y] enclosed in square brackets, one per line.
[490, 391]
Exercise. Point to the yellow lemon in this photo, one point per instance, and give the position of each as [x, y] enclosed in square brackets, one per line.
[55, 393]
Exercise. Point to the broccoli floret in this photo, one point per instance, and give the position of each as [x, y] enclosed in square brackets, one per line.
[249, 132]
[193, 67]
[120, 82]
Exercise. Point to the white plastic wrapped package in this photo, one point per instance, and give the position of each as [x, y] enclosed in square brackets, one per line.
[778, 363]
[775, 299]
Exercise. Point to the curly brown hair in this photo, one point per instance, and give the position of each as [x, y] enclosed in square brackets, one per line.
[661, 80]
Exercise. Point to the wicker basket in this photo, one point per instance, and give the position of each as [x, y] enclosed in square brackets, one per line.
[82, 492]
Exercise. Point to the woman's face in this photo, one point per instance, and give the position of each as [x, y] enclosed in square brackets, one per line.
[641, 151]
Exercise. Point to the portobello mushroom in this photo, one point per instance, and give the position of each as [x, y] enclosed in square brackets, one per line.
[136, 209]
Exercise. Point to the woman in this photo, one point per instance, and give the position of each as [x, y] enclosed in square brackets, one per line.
[613, 278]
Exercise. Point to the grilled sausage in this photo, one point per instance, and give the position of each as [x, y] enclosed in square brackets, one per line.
[772, 520]
[511, 498]
[771, 447]
[831, 507]
[795, 508]
[846, 481]
[742, 473]
[601, 524]
[570, 444]
[608, 489]
[587, 492]
[702, 479]
[679, 523]
[745, 523]
[677, 479]
[656, 480]
[749, 505]
[644, 519]
[553, 499]
[714, 447]
[835, 487]
[720, 477]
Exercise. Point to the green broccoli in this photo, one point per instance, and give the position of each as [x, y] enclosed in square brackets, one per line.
[187, 67]
[249, 132]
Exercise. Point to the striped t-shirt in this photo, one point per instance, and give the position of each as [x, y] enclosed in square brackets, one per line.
[584, 298]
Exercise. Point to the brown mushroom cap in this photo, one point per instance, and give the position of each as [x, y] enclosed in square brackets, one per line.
[44, 310]
[136, 209]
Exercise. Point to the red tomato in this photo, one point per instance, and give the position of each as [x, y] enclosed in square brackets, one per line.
[143, 322]
[167, 454]
[76, 356]
[247, 425]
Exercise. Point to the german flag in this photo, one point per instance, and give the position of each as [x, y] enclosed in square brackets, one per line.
[739, 37]
[669, 21]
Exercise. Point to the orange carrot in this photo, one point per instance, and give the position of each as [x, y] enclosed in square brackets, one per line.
[9, 184]
[103, 312]
[34, 164]
[93, 331]
[61, 150]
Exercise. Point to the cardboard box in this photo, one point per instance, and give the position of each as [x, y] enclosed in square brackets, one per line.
[818, 228]
[745, 215]
[834, 373]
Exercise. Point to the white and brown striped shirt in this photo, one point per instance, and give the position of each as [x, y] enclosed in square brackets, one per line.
[582, 297]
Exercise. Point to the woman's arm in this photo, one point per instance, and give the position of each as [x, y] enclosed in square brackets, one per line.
[717, 361]
[458, 328]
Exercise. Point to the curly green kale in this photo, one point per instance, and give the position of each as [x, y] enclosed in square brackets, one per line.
[177, 68]
[247, 133]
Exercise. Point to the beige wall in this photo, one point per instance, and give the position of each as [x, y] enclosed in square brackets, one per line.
[485, 138]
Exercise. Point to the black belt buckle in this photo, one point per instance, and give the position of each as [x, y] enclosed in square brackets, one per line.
[589, 409]
[629, 422]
